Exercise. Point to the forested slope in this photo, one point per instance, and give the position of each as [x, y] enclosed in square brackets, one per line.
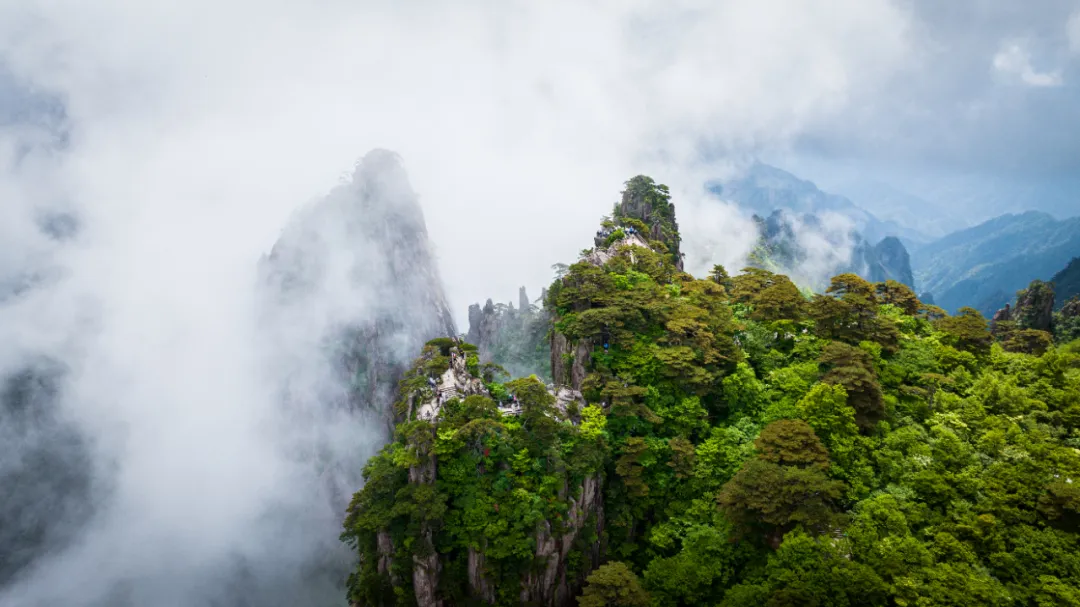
[729, 441]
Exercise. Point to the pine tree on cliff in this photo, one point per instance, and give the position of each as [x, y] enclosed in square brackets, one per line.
[650, 202]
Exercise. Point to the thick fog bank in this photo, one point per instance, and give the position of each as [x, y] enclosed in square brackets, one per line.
[197, 443]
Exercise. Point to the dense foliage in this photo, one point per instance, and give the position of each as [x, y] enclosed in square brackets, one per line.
[646, 206]
[756, 447]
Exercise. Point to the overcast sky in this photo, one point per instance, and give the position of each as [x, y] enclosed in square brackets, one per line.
[518, 116]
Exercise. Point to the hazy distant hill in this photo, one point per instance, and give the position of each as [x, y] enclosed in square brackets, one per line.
[893, 205]
[1067, 283]
[763, 189]
[983, 266]
[810, 251]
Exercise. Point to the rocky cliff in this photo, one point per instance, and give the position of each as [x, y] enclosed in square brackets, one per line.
[890, 261]
[45, 469]
[449, 426]
[1034, 310]
[646, 208]
[349, 293]
[360, 259]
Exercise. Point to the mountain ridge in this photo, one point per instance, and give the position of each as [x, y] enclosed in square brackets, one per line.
[985, 265]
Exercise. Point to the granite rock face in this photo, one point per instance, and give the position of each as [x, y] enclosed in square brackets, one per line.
[1035, 306]
[348, 294]
[649, 203]
[360, 258]
[892, 262]
[45, 469]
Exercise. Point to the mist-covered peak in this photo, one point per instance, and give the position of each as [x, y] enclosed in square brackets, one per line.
[360, 261]
[646, 207]
[762, 188]
[811, 247]
[382, 188]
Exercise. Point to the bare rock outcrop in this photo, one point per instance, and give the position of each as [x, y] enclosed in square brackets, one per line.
[1035, 306]
[365, 243]
[425, 560]
[455, 382]
[481, 587]
[512, 337]
[568, 360]
[551, 585]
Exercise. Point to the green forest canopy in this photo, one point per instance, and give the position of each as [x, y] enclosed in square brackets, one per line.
[755, 447]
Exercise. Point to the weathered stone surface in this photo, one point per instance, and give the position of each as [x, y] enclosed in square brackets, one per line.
[1071, 309]
[365, 242]
[523, 300]
[482, 588]
[425, 560]
[565, 396]
[568, 360]
[1035, 306]
[891, 262]
[455, 382]
[550, 586]
[600, 255]
[511, 337]
[385, 547]
[637, 203]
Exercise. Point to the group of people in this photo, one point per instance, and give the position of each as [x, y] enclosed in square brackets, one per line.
[605, 232]
[438, 393]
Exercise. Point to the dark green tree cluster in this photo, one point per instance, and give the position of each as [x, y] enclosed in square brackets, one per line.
[646, 206]
[1067, 321]
[499, 478]
[755, 447]
[1032, 326]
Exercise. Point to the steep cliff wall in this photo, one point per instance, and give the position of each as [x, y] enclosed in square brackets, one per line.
[360, 258]
[455, 437]
[46, 473]
[649, 205]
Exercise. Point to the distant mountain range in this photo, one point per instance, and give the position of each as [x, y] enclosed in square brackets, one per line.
[894, 206]
[812, 235]
[983, 266]
[762, 189]
[818, 234]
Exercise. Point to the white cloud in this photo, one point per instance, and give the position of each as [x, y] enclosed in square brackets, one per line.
[1014, 60]
[1072, 29]
[198, 127]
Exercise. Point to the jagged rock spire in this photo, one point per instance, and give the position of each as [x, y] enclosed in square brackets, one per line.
[523, 300]
[357, 267]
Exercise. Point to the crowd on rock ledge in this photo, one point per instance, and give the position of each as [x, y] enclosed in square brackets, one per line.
[605, 232]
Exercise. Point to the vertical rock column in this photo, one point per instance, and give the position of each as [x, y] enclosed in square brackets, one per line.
[425, 560]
